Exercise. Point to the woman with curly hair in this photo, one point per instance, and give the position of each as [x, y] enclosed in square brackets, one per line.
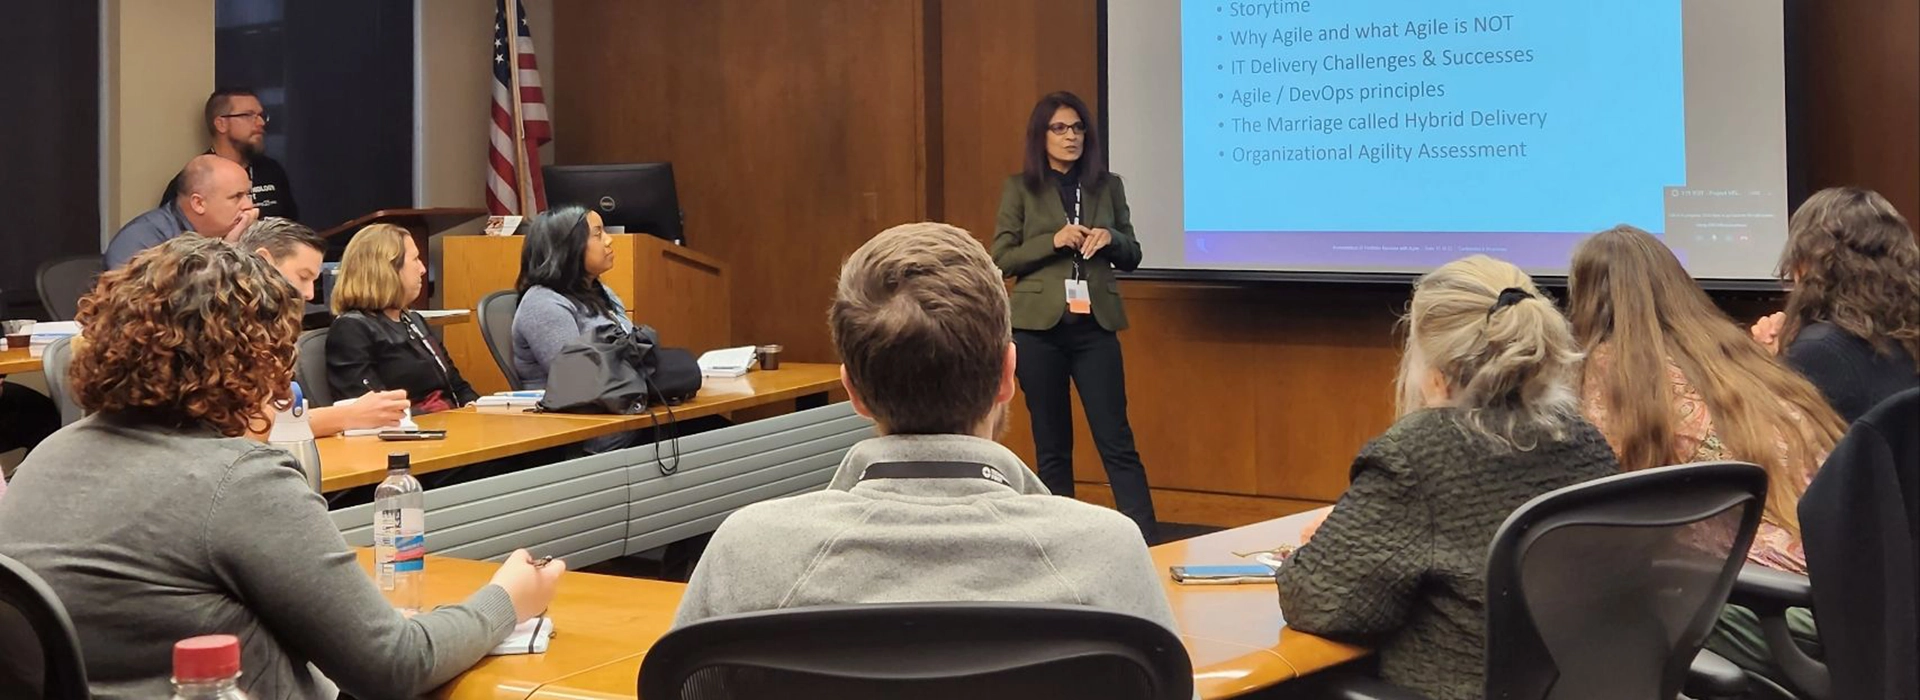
[1852, 323]
[163, 515]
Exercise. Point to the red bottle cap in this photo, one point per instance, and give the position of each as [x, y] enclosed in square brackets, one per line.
[209, 658]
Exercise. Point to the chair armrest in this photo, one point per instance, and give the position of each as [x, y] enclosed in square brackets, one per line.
[1712, 677]
[1768, 592]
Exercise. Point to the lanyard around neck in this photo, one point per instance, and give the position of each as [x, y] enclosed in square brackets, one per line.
[933, 470]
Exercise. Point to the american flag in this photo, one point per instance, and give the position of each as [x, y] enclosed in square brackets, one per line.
[513, 148]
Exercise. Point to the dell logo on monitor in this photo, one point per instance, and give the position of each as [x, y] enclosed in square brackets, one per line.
[607, 204]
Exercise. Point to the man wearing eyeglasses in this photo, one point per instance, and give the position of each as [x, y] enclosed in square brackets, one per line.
[237, 123]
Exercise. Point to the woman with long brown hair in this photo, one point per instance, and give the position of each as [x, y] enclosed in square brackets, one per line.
[1852, 323]
[1670, 379]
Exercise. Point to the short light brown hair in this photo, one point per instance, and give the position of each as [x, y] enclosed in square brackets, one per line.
[370, 271]
[192, 332]
[921, 321]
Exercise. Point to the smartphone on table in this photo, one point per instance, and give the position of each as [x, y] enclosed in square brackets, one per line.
[1224, 574]
[403, 435]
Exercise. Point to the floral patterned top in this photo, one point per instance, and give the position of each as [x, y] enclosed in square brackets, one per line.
[1697, 441]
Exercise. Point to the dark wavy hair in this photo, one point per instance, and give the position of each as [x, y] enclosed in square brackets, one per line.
[193, 332]
[1093, 154]
[554, 256]
[1852, 261]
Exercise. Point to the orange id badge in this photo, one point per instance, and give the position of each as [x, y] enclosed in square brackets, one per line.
[1078, 300]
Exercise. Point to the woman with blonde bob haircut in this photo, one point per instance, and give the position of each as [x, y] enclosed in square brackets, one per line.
[376, 343]
[1489, 419]
[164, 515]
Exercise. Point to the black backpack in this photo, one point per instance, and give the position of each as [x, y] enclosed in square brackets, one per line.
[614, 371]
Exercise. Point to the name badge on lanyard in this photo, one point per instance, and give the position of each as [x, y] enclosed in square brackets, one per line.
[1079, 301]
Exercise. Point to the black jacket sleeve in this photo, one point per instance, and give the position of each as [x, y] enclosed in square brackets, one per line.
[352, 369]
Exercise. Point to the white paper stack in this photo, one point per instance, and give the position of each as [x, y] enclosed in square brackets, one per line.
[509, 401]
[727, 362]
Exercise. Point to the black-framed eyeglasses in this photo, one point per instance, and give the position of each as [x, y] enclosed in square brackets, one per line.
[262, 116]
[1061, 128]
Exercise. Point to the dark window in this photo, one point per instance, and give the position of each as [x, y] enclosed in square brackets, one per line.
[337, 78]
[50, 156]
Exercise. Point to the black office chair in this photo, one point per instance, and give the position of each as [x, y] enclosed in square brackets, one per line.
[63, 281]
[923, 651]
[39, 651]
[53, 367]
[1860, 521]
[496, 328]
[1607, 589]
[310, 368]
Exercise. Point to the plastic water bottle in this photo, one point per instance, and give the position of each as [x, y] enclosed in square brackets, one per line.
[400, 534]
[207, 668]
[293, 433]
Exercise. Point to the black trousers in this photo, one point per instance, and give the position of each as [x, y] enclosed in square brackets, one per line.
[26, 417]
[1080, 352]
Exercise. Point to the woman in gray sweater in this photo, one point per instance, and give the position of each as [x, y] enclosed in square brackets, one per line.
[562, 299]
[164, 515]
[1488, 420]
[561, 296]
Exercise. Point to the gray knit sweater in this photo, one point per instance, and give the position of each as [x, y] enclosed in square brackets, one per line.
[1401, 564]
[546, 322]
[920, 540]
[150, 536]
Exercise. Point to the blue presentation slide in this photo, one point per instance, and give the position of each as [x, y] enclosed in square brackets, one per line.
[1507, 118]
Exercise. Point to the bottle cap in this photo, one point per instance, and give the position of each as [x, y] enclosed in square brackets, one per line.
[209, 658]
[399, 462]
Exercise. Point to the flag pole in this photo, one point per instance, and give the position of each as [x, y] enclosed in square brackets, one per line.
[523, 181]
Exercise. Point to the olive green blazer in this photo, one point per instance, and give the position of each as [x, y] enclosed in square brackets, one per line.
[1023, 248]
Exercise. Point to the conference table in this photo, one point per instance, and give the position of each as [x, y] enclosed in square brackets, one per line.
[477, 435]
[605, 625]
[18, 360]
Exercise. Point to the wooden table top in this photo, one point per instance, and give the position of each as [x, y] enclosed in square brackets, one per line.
[475, 436]
[1234, 634]
[19, 360]
[596, 620]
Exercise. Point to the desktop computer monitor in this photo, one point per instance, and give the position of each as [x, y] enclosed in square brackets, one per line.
[637, 196]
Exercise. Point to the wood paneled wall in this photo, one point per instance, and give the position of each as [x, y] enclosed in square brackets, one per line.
[1861, 87]
[799, 128]
[794, 127]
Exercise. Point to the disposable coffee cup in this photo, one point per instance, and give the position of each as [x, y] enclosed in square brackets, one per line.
[19, 333]
[769, 356]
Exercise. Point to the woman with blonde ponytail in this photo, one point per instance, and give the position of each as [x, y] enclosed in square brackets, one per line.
[1489, 419]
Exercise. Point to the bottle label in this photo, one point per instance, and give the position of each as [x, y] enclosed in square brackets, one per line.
[410, 544]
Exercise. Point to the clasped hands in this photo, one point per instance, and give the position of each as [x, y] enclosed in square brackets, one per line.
[1083, 240]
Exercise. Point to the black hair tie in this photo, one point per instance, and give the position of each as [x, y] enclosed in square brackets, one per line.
[1508, 297]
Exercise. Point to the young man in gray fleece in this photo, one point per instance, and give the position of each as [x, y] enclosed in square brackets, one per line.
[921, 322]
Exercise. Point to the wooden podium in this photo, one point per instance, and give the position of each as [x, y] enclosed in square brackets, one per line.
[680, 292]
[422, 223]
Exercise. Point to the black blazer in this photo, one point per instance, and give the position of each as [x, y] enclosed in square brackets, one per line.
[373, 352]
